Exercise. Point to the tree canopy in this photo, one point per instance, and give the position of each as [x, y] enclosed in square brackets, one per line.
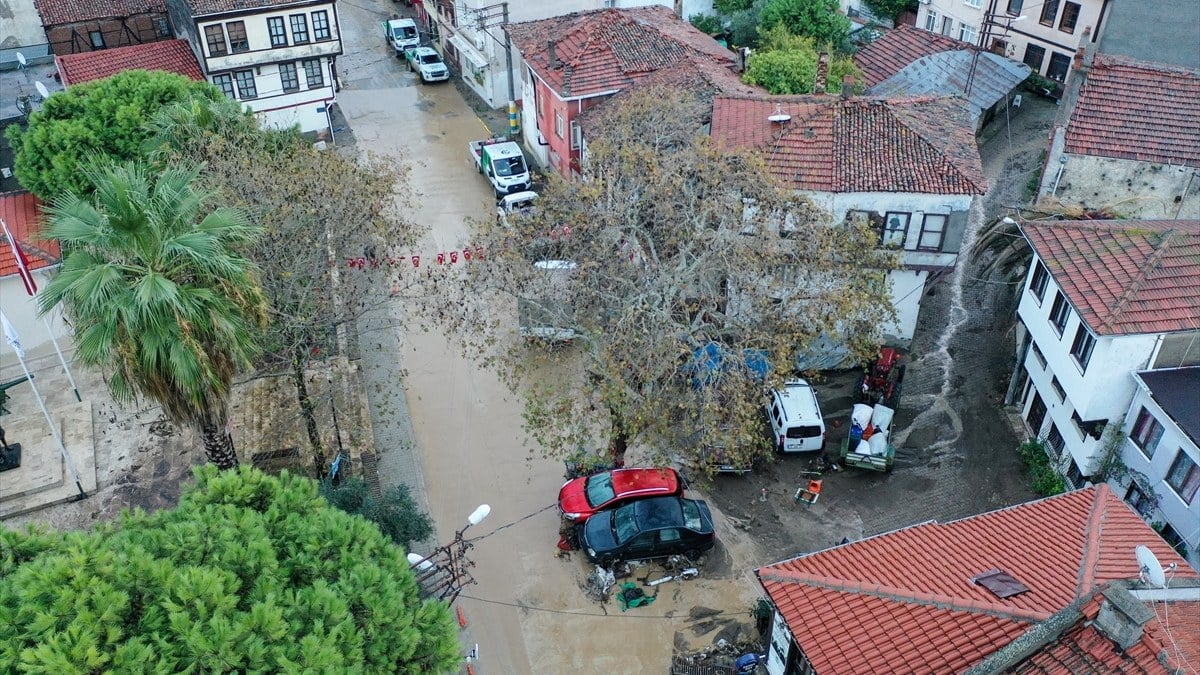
[250, 574]
[890, 9]
[157, 294]
[787, 64]
[816, 19]
[106, 118]
[670, 245]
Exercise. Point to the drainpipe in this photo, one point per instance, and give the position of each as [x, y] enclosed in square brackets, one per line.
[1062, 164]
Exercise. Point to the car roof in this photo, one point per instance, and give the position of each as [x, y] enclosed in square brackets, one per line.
[425, 51]
[799, 401]
[659, 512]
[517, 197]
[633, 480]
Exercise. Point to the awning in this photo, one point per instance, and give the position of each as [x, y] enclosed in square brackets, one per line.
[467, 51]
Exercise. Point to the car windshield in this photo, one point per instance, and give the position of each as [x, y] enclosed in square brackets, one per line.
[691, 516]
[431, 58]
[510, 166]
[599, 489]
[406, 32]
[625, 525]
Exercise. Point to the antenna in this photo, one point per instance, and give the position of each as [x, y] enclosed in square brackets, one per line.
[1150, 570]
[41, 90]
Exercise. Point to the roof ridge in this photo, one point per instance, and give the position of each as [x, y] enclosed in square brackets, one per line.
[1091, 545]
[907, 596]
[1143, 275]
[894, 110]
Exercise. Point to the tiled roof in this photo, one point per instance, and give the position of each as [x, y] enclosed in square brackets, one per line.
[57, 12]
[1136, 110]
[905, 602]
[1172, 635]
[20, 211]
[699, 76]
[831, 144]
[895, 49]
[610, 49]
[1124, 277]
[203, 7]
[173, 56]
[1176, 390]
[947, 74]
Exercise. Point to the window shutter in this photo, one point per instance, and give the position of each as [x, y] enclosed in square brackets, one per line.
[955, 228]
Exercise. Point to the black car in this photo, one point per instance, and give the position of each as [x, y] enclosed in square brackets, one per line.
[648, 528]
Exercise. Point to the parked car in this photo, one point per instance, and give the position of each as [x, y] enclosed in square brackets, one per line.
[521, 203]
[428, 64]
[795, 418]
[581, 498]
[648, 528]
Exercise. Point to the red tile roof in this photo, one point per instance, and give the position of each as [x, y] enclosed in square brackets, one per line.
[57, 12]
[1124, 277]
[1136, 110]
[830, 144]
[204, 7]
[904, 601]
[20, 211]
[173, 56]
[895, 49]
[610, 49]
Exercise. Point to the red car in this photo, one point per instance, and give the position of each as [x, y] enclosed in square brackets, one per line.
[581, 498]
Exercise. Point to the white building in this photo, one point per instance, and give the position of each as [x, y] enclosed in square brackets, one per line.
[1102, 300]
[275, 56]
[1045, 35]
[1162, 452]
[907, 166]
[470, 35]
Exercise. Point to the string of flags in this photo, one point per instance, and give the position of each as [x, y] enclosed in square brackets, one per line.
[363, 262]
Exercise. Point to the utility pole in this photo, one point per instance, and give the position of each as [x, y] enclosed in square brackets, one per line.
[984, 33]
[483, 17]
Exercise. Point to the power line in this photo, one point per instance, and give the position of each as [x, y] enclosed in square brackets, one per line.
[518, 520]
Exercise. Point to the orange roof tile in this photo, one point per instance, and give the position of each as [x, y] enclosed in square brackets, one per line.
[57, 12]
[830, 144]
[1131, 109]
[173, 56]
[914, 584]
[604, 51]
[20, 211]
[897, 48]
[1124, 276]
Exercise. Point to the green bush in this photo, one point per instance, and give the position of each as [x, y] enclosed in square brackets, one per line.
[396, 514]
[1044, 479]
[707, 23]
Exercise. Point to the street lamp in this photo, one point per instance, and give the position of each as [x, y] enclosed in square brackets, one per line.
[444, 573]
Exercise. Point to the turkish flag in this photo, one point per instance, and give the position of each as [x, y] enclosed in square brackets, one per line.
[22, 262]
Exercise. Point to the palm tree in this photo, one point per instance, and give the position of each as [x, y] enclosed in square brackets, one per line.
[157, 294]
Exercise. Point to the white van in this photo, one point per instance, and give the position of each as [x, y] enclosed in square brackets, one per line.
[795, 416]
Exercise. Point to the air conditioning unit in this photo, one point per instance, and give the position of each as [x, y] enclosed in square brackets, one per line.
[479, 43]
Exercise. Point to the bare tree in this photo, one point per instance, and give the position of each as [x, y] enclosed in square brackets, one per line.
[678, 268]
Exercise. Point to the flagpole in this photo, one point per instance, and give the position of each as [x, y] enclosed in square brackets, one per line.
[11, 335]
[50, 331]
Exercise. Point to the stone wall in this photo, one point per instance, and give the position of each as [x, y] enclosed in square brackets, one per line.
[1130, 189]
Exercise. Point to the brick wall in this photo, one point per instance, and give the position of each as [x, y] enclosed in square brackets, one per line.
[73, 38]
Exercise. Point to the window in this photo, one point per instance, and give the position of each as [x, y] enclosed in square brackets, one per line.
[215, 37]
[163, 27]
[1055, 440]
[1034, 55]
[1172, 537]
[947, 25]
[97, 39]
[1059, 65]
[895, 228]
[277, 30]
[1147, 432]
[225, 83]
[933, 229]
[931, 21]
[1074, 475]
[299, 28]
[1059, 312]
[1037, 353]
[1037, 285]
[576, 135]
[1139, 500]
[288, 77]
[1184, 477]
[245, 84]
[1082, 347]
[1058, 388]
[237, 36]
[312, 72]
[967, 33]
[1049, 11]
[1069, 18]
[558, 124]
[973, 3]
[320, 23]
[1014, 7]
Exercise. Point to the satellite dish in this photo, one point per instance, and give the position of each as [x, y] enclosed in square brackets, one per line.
[1151, 569]
[779, 118]
[41, 90]
[21, 59]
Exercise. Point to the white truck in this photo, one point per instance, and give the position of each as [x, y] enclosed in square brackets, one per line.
[502, 161]
[401, 34]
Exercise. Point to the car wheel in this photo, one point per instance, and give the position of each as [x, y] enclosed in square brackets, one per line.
[692, 554]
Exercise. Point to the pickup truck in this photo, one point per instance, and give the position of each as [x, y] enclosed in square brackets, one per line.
[401, 34]
[548, 318]
[428, 65]
[503, 163]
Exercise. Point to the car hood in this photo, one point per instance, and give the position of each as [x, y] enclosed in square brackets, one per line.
[572, 497]
[597, 533]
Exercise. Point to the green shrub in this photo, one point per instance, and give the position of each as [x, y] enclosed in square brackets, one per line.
[1045, 480]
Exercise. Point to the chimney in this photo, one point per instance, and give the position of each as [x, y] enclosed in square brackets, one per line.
[822, 73]
[553, 56]
[847, 86]
[1122, 616]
